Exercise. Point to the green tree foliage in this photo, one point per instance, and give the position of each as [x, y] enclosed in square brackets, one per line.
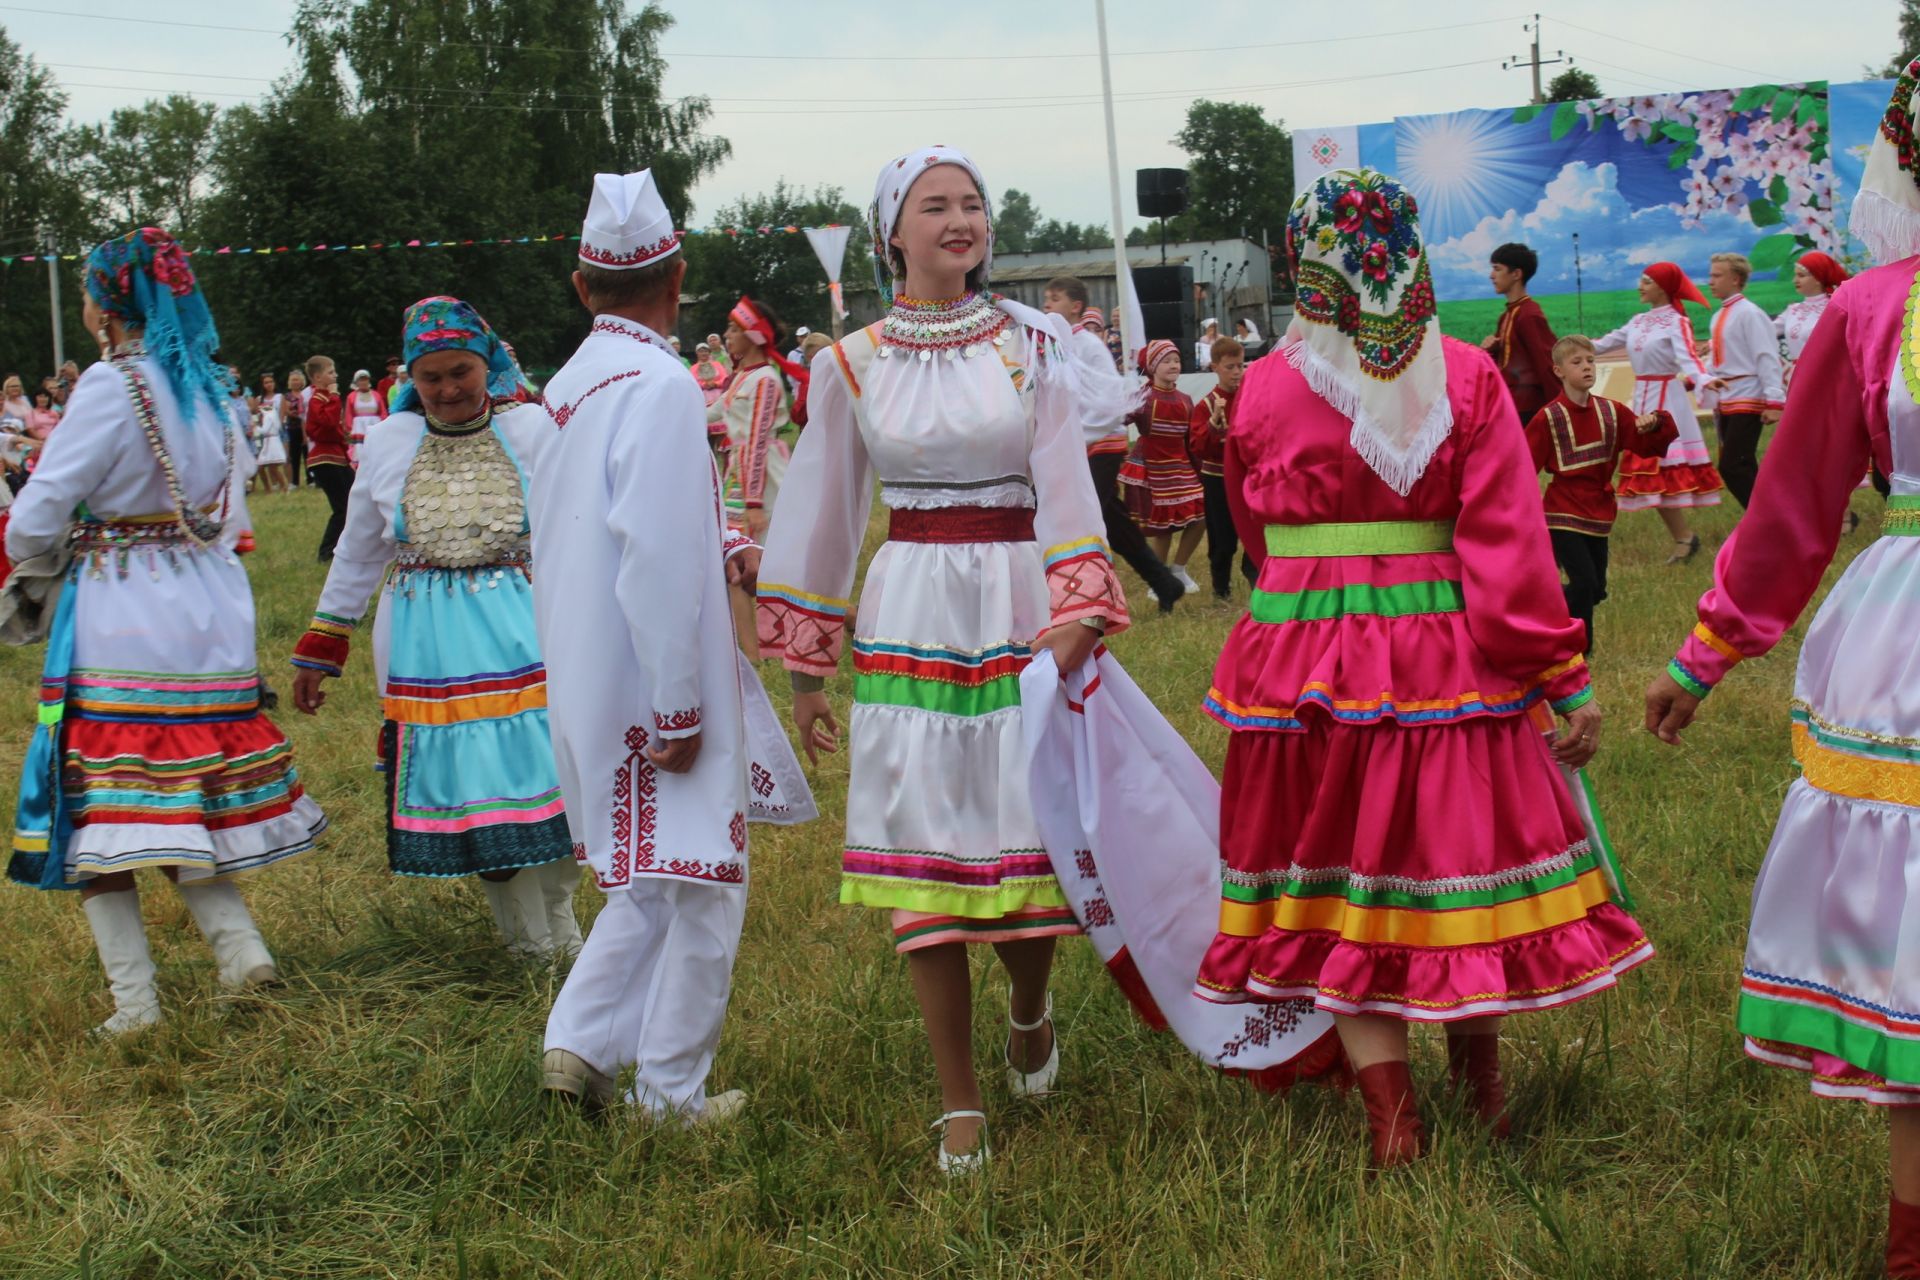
[461, 120]
[781, 270]
[1018, 228]
[150, 165]
[1239, 172]
[1573, 85]
[1909, 41]
[38, 198]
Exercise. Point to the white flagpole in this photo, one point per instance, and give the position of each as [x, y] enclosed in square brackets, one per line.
[1120, 268]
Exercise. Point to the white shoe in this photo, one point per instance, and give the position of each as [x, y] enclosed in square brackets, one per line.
[957, 1164]
[1034, 1084]
[565, 1072]
[1186, 579]
[520, 913]
[121, 937]
[238, 948]
[558, 879]
[722, 1107]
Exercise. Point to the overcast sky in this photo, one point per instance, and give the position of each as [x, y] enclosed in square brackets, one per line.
[825, 91]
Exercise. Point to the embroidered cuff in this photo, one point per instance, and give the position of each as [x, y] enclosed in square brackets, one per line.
[805, 631]
[1081, 584]
[1565, 681]
[1687, 680]
[734, 543]
[683, 723]
[1707, 656]
[325, 645]
[1572, 702]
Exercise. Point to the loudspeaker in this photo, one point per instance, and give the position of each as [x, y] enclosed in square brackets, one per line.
[1166, 306]
[1160, 193]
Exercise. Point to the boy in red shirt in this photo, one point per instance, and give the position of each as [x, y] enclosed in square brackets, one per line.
[1577, 439]
[1207, 446]
[327, 459]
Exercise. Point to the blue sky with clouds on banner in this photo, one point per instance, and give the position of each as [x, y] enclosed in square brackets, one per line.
[824, 91]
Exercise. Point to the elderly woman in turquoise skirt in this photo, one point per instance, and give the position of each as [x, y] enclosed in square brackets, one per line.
[440, 498]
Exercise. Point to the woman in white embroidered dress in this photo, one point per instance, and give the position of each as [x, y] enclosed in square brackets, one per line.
[965, 410]
[1815, 276]
[1659, 343]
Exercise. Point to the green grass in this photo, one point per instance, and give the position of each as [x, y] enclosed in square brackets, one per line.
[1597, 313]
[378, 1114]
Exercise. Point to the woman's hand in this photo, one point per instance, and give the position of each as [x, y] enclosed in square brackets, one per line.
[1581, 738]
[1071, 644]
[1669, 709]
[309, 695]
[819, 731]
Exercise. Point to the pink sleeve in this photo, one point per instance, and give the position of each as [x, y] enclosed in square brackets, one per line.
[1515, 610]
[1771, 566]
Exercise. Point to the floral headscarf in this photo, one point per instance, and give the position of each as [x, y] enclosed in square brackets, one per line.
[1886, 210]
[143, 279]
[1364, 329]
[889, 197]
[448, 324]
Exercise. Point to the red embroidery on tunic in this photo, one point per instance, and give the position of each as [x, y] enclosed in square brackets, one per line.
[1097, 913]
[1569, 454]
[737, 831]
[762, 781]
[636, 827]
[1083, 861]
[564, 414]
[675, 721]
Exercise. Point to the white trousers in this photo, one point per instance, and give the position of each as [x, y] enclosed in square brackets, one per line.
[649, 990]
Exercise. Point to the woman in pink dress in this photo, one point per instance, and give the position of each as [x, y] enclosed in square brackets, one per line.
[1398, 843]
[1831, 981]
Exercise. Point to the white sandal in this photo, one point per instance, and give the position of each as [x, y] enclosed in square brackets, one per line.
[1033, 1084]
[960, 1163]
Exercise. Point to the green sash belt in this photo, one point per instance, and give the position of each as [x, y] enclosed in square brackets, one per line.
[1357, 598]
[1903, 516]
[1365, 538]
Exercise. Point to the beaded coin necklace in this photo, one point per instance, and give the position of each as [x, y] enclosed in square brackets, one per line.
[955, 328]
[200, 528]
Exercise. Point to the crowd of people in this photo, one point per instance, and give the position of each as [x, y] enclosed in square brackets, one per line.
[570, 612]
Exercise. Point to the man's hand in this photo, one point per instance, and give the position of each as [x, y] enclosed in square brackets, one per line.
[743, 570]
[1071, 645]
[1669, 709]
[758, 518]
[309, 695]
[1581, 739]
[675, 755]
[1489, 342]
[819, 731]
[1770, 416]
[1714, 384]
[1646, 422]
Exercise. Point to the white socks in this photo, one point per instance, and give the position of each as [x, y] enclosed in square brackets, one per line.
[558, 879]
[223, 917]
[520, 913]
[121, 937]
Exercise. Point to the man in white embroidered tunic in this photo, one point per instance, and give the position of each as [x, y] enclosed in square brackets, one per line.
[644, 693]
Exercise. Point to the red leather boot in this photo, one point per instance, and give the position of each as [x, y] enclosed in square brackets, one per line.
[1903, 1240]
[1392, 1113]
[1475, 1061]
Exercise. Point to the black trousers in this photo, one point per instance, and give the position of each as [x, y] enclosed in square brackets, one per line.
[296, 455]
[1739, 452]
[336, 481]
[1223, 540]
[1123, 535]
[1583, 558]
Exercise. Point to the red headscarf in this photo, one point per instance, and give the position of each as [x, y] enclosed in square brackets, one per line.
[1154, 352]
[1675, 284]
[1824, 269]
[758, 327]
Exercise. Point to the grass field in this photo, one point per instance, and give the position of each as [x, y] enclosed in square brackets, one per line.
[378, 1114]
[1596, 313]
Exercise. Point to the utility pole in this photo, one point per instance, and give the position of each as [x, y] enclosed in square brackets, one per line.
[1536, 62]
[52, 256]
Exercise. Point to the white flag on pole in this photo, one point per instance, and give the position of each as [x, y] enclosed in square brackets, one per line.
[830, 246]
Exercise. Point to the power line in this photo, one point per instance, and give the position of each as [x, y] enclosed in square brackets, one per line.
[789, 57]
[1021, 104]
[1671, 53]
[1635, 72]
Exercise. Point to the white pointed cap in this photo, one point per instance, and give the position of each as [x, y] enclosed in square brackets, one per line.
[627, 223]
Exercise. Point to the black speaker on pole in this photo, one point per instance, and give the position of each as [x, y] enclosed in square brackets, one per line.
[1166, 305]
[1160, 193]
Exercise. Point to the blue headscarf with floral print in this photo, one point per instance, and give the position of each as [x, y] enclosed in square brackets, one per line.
[448, 324]
[143, 279]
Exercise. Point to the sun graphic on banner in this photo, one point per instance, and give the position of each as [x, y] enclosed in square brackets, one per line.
[1466, 166]
[1325, 151]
